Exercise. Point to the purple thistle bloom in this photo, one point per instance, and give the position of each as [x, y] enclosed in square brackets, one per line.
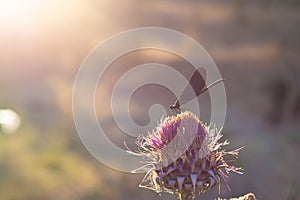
[185, 157]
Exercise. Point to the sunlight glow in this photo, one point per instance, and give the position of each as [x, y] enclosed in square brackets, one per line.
[9, 121]
[19, 14]
[23, 16]
[17, 8]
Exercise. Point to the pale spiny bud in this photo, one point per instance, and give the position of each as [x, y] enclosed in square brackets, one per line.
[185, 157]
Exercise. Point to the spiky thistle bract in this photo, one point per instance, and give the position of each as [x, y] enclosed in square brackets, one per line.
[185, 157]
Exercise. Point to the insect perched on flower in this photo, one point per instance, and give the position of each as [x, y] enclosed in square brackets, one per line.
[184, 156]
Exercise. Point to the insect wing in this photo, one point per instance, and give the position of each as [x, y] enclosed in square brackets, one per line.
[195, 87]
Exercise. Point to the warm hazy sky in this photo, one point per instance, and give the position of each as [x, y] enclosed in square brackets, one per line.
[43, 43]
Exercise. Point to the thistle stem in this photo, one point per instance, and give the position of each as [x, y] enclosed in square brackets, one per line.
[186, 196]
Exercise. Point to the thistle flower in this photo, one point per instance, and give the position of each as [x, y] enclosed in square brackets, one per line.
[184, 157]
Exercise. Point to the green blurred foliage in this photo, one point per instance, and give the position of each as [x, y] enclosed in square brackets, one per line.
[35, 167]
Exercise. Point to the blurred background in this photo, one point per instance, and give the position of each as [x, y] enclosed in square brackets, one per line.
[255, 44]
